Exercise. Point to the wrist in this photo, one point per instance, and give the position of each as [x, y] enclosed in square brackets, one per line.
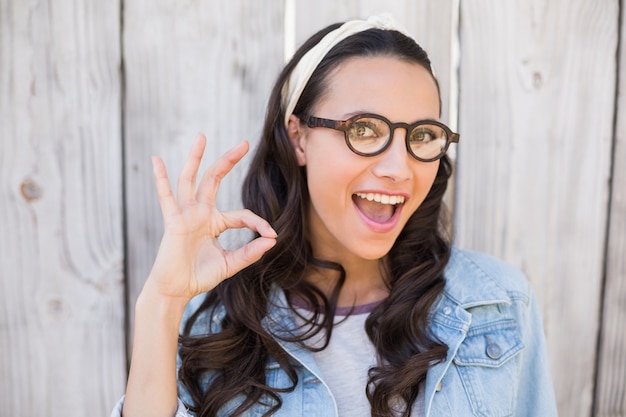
[158, 308]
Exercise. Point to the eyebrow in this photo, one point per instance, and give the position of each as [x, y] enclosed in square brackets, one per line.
[356, 113]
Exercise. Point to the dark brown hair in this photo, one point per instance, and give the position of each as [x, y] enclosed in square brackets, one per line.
[219, 367]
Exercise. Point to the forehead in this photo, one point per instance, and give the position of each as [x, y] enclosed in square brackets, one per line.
[392, 87]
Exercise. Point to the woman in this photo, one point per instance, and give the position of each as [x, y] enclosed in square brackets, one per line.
[349, 301]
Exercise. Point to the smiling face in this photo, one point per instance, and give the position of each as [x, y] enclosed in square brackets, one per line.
[359, 205]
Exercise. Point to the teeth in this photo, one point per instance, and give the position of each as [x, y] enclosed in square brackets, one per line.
[382, 198]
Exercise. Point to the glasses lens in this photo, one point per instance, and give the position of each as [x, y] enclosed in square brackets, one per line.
[368, 135]
[428, 141]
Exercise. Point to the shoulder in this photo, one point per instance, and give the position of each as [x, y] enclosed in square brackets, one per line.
[474, 278]
[488, 318]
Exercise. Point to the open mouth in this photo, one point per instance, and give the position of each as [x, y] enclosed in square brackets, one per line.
[377, 207]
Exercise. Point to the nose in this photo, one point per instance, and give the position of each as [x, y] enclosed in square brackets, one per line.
[395, 162]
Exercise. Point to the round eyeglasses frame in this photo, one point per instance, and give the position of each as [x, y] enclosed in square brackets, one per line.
[344, 126]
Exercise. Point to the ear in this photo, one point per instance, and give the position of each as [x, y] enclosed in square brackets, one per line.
[297, 138]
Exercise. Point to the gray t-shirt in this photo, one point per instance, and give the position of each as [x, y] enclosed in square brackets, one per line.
[347, 359]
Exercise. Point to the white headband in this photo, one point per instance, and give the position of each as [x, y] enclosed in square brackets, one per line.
[302, 72]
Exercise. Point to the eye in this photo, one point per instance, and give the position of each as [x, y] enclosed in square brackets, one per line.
[367, 135]
[423, 134]
[427, 141]
[363, 129]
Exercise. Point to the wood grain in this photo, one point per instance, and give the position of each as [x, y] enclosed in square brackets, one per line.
[610, 398]
[61, 250]
[536, 110]
[199, 67]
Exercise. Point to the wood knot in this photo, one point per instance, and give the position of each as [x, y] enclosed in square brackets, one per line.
[56, 307]
[30, 190]
[537, 79]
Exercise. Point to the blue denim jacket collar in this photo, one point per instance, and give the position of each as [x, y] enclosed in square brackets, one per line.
[279, 322]
[462, 274]
[449, 316]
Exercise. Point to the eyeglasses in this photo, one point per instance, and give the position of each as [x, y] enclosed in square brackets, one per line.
[371, 134]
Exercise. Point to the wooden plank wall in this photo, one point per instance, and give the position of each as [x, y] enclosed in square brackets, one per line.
[85, 101]
[202, 67]
[61, 251]
[538, 81]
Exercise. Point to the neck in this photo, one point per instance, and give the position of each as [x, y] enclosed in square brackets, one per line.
[364, 282]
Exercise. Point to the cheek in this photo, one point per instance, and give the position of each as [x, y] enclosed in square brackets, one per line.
[433, 168]
[329, 159]
[328, 176]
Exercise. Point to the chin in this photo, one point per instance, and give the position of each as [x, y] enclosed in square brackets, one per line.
[372, 254]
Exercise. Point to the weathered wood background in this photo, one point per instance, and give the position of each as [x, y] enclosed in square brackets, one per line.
[90, 89]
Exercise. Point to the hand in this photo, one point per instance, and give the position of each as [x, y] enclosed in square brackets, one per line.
[190, 260]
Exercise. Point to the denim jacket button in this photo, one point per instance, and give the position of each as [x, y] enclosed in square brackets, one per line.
[494, 351]
[447, 310]
[439, 386]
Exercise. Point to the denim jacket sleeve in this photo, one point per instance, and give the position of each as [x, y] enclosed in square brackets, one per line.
[181, 411]
[536, 393]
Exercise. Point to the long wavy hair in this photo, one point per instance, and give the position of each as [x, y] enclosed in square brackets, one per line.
[217, 368]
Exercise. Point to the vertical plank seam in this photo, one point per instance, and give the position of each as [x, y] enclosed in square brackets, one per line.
[455, 65]
[455, 76]
[125, 268]
[607, 234]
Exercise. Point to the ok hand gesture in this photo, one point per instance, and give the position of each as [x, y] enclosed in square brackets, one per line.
[190, 260]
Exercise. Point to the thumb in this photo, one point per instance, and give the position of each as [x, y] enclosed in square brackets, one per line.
[248, 254]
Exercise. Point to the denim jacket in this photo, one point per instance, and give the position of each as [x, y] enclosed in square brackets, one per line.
[496, 364]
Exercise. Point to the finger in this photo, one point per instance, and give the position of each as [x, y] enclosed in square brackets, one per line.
[248, 254]
[238, 219]
[163, 188]
[187, 180]
[207, 190]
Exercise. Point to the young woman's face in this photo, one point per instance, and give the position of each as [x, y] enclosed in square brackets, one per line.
[341, 223]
